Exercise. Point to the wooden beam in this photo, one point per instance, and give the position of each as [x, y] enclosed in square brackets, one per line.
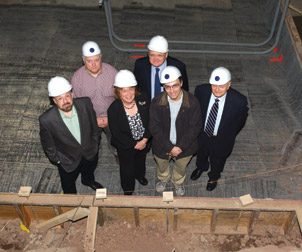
[136, 216]
[253, 221]
[89, 243]
[23, 215]
[149, 202]
[73, 215]
[290, 222]
[214, 220]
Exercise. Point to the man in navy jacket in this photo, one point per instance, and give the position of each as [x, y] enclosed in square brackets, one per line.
[220, 128]
[145, 68]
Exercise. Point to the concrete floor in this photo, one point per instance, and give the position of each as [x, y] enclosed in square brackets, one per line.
[39, 42]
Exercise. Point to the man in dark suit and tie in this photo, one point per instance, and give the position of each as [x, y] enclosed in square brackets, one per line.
[70, 136]
[148, 69]
[224, 112]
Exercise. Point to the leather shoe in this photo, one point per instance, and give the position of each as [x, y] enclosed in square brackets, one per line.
[143, 181]
[211, 185]
[196, 174]
[96, 185]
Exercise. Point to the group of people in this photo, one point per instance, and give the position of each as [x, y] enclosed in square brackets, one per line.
[150, 106]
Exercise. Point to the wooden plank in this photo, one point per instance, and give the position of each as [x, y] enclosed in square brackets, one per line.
[214, 220]
[149, 202]
[253, 221]
[89, 242]
[290, 222]
[136, 216]
[23, 215]
[75, 214]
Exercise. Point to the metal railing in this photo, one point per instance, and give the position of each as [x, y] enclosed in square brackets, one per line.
[112, 36]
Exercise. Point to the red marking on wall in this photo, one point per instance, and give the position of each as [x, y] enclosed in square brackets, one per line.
[137, 56]
[275, 49]
[139, 45]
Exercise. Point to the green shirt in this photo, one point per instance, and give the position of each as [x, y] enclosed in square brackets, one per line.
[72, 123]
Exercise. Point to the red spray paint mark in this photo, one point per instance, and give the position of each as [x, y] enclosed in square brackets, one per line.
[275, 49]
[137, 56]
[280, 59]
[139, 45]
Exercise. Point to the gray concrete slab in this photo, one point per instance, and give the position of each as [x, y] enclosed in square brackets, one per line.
[39, 42]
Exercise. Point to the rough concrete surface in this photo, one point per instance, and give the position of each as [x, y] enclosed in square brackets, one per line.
[40, 42]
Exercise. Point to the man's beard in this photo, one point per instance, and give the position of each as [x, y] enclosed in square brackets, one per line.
[67, 107]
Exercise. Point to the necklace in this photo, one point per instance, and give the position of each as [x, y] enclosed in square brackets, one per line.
[132, 106]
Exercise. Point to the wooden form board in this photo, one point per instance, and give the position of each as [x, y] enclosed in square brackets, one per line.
[203, 215]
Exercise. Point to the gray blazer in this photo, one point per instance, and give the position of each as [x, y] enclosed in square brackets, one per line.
[58, 142]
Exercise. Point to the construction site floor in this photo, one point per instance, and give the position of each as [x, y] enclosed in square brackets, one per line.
[40, 42]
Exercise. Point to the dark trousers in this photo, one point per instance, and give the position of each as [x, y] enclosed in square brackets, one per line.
[132, 166]
[86, 168]
[206, 156]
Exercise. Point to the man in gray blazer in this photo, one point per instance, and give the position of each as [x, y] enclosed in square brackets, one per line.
[70, 136]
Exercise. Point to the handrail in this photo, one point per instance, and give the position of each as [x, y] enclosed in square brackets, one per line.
[107, 4]
[112, 34]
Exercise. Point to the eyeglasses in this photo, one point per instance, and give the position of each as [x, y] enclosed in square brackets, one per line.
[61, 98]
[174, 87]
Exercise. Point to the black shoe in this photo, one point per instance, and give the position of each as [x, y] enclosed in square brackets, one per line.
[211, 185]
[143, 181]
[128, 193]
[196, 174]
[96, 185]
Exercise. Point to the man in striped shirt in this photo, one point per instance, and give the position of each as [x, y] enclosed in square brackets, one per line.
[95, 80]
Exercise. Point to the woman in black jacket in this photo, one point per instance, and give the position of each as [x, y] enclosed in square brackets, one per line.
[128, 119]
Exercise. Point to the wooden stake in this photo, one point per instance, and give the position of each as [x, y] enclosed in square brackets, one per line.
[136, 216]
[89, 242]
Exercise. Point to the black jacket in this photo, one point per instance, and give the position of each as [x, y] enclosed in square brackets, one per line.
[142, 72]
[119, 125]
[233, 118]
[58, 142]
[188, 125]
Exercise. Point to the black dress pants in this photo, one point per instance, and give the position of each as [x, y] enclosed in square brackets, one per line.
[132, 166]
[207, 157]
[86, 168]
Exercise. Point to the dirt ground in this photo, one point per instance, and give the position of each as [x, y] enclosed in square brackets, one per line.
[149, 237]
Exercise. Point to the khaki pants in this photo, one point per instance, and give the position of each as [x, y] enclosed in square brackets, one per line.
[179, 169]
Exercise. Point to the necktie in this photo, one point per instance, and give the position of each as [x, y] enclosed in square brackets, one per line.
[209, 130]
[157, 89]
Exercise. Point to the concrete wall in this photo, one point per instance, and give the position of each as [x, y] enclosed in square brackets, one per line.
[290, 60]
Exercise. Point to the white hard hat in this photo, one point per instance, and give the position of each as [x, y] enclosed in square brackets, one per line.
[125, 78]
[57, 86]
[220, 76]
[169, 74]
[158, 44]
[90, 48]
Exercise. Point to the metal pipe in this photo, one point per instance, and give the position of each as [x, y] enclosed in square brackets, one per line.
[110, 31]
